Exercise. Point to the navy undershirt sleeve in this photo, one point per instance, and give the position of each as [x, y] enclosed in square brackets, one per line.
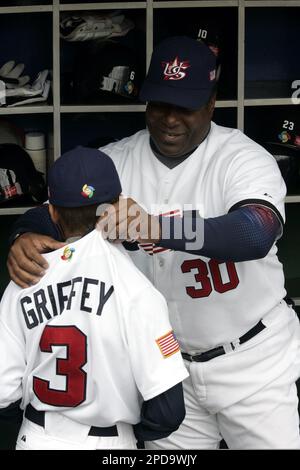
[161, 415]
[246, 233]
[36, 220]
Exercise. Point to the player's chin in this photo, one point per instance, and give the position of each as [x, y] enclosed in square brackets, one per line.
[171, 146]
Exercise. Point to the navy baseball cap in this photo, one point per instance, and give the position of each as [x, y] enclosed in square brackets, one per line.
[182, 72]
[82, 177]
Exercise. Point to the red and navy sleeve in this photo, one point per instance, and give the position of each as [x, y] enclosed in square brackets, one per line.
[245, 233]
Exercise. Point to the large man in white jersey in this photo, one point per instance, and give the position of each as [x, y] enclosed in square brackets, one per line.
[89, 350]
[216, 199]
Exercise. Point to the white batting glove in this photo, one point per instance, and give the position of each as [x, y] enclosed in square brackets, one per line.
[11, 75]
[30, 90]
[87, 27]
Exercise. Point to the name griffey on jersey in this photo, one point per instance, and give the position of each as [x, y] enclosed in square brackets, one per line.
[44, 304]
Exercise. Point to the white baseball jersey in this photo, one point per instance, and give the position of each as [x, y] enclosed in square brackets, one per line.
[210, 302]
[90, 340]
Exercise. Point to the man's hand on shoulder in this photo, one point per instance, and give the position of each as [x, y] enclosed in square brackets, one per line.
[25, 263]
[127, 220]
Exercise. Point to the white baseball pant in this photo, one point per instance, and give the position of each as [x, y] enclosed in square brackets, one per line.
[247, 396]
[34, 437]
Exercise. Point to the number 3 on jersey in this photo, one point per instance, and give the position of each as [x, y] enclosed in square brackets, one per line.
[209, 271]
[71, 367]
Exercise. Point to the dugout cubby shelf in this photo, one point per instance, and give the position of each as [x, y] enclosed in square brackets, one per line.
[244, 51]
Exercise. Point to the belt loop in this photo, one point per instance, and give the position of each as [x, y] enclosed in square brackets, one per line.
[228, 347]
[235, 343]
[225, 348]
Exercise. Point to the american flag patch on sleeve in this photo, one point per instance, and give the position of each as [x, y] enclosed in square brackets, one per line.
[168, 344]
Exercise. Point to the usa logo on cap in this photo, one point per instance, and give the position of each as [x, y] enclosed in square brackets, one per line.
[175, 70]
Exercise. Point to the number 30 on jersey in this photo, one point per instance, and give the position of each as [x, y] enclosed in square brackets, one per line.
[209, 275]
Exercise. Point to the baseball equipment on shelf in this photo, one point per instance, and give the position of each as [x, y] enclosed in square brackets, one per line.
[287, 133]
[208, 34]
[26, 94]
[20, 183]
[106, 71]
[87, 27]
[35, 146]
[285, 147]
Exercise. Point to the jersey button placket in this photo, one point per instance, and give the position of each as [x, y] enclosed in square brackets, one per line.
[163, 191]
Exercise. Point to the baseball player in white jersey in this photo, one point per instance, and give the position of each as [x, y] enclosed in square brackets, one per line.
[221, 277]
[86, 345]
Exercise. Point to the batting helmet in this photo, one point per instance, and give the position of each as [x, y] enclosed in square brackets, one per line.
[284, 145]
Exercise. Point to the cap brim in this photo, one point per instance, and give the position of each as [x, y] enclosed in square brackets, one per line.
[190, 99]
